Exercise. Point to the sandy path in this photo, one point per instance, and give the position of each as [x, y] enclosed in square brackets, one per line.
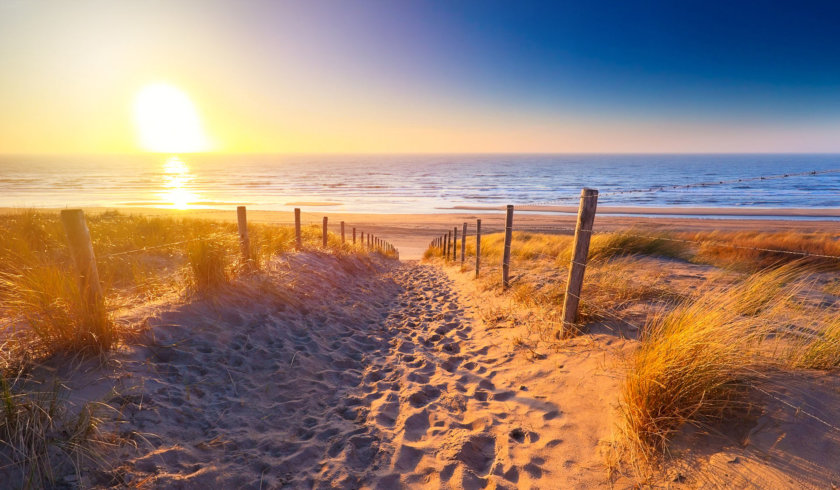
[344, 373]
[250, 389]
[455, 407]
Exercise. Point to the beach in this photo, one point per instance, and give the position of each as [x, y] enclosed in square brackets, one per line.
[338, 367]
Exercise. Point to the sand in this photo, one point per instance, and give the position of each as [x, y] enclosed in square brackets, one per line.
[342, 373]
[327, 372]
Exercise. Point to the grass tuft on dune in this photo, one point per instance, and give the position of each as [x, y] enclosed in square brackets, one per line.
[42, 313]
[694, 363]
[138, 257]
[707, 334]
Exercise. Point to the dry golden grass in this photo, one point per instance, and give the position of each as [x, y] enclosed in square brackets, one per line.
[138, 257]
[748, 251]
[821, 350]
[694, 362]
[699, 351]
[540, 266]
[752, 251]
[39, 434]
[42, 312]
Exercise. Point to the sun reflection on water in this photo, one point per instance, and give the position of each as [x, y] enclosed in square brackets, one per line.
[176, 180]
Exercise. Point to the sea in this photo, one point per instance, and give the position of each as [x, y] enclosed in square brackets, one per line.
[419, 183]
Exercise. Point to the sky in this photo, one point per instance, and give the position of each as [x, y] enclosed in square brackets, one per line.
[364, 76]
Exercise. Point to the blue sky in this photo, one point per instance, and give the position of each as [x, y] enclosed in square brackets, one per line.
[438, 76]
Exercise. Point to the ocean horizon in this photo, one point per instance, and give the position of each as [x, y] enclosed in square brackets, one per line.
[416, 183]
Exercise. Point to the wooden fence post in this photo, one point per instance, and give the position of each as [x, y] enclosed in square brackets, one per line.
[446, 247]
[81, 249]
[583, 233]
[325, 232]
[298, 243]
[464, 245]
[477, 246]
[508, 238]
[454, 244]
[244, 242]
[342, 232]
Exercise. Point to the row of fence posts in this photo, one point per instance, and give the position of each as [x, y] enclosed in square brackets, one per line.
[81, 248]
[448, 244]
[368, 241]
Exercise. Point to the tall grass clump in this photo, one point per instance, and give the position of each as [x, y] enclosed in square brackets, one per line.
[528, 245]
[751, 251]
[695, 362]
[39, 436]
[607, 245]
[209, 264]
[822, 350]
[48, 298]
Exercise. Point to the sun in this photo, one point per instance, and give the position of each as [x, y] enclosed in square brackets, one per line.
[167, 121]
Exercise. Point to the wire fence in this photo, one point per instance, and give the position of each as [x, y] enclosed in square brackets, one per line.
[446, 246]
[141, 271]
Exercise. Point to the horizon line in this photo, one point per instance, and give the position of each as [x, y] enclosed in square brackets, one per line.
[417, 153]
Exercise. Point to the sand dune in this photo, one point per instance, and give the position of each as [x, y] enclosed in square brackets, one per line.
[342, 373]
[356, 372]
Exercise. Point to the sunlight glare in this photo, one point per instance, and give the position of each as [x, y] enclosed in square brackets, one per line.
[177, 178]
[167, 121]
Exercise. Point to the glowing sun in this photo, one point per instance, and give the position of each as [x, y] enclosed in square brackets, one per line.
[167, 121]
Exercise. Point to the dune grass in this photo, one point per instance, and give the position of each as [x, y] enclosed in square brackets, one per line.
[694, 363]
[540, 265]
[820, 350]
[746, 251]
[753, 251]
[138, 258]
[699, 352]
[39, 434]
[42, 312]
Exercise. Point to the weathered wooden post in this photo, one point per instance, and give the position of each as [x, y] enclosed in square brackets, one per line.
[342, 233]
[244, 242]
[583, 233]
[298, 243]
[508, 238]
[324, 233]
[477, 246]
[446, 247]
[81, 249]
[454, 244]
[464, 245]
